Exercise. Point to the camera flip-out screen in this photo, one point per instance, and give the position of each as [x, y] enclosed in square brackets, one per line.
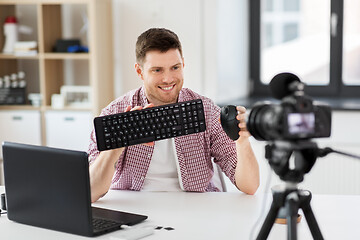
[299, 123]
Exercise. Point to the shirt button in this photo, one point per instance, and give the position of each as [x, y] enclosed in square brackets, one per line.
[142, 178]
[149, 155]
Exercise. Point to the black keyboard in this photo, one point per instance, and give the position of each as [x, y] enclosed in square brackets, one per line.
[150, 124]
[100, 224]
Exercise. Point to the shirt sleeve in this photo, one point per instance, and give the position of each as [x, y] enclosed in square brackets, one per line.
[93, 151]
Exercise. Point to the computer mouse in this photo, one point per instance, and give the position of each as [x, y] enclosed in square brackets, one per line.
[229, 122]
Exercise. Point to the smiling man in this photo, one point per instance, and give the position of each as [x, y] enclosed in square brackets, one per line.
[182, 163]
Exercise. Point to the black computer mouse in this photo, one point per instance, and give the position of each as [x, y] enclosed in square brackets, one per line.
[229, 122]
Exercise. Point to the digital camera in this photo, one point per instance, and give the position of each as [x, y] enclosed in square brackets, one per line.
[296, 117]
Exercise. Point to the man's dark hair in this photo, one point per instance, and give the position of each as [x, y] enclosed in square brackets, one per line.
[160, 39]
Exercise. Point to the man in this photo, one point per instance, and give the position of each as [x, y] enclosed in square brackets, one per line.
[182, 163]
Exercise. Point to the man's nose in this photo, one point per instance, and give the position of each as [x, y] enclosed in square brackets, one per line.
[168, 77]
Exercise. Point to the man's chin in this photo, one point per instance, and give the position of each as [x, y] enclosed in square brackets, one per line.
[169, 100]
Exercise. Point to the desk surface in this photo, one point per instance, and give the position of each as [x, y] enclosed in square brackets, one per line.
[207, 216]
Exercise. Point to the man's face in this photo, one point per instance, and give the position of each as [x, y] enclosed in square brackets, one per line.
[162, 73]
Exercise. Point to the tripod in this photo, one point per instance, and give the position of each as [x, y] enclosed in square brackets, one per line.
[292, 200]
[290, 197]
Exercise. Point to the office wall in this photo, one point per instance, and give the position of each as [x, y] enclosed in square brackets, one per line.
[134, 17]
[213, 34]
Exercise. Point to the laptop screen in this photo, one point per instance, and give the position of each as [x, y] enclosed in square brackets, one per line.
[48, 187]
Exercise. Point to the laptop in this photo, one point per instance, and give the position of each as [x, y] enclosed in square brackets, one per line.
[50, 188]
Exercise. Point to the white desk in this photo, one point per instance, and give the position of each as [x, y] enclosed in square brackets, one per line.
[207, 216]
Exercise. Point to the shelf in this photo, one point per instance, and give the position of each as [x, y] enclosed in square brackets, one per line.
[18, 2]
[43, 108]
[27, 2]
[18, 107]
[11, 56]
[48, 108]
[74, 56]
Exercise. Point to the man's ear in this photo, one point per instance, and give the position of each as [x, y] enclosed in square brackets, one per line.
[139, 71]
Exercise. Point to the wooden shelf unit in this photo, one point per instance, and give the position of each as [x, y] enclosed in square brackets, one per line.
[50, 66]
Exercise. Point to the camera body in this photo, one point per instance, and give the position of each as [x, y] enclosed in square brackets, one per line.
[297, 117]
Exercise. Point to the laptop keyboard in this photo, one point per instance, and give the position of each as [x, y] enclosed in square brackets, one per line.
[150, 124]
[103, 224]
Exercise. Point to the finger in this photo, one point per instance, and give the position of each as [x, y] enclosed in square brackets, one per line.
[149, 105]
[128, 108]
[241, 117]
[242, 125]
[241, 109]
[149, 144]
[244, 132]
[136, 108]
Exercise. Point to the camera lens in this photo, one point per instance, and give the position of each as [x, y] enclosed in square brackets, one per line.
[263, 122]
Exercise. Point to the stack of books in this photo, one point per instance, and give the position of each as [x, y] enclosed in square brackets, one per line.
[25, 48]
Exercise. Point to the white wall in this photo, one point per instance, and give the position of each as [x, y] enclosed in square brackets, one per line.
[213, 34]
[233, 50]
[132, 17]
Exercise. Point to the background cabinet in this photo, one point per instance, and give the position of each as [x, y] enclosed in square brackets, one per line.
[75, 127]
[20, 126]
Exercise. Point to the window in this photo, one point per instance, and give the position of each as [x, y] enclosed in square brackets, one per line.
[351, 50]
[291, 5]
[319, 41]
[291, 31]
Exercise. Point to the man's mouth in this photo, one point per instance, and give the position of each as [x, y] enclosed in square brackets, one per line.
[167, 88]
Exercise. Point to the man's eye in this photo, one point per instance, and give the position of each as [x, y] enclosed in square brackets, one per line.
[156, 70]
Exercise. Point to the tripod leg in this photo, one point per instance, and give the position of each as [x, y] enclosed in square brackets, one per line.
[269, 221]
[292, 207]
[310, 217]
[313, 225]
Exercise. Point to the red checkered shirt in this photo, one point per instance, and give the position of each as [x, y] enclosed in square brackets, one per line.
[195, 152]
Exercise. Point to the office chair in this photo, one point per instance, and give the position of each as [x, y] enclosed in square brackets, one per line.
[218, 178]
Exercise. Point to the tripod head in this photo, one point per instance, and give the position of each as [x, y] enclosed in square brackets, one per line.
[278, 154]
[305, 152]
